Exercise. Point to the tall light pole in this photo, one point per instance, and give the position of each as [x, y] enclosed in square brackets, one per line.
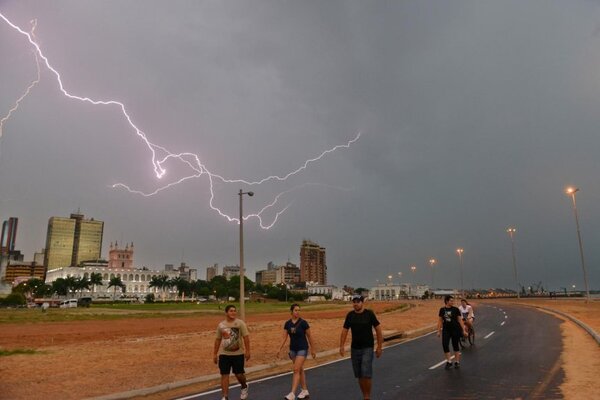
[242, 294]
[571, 192]
[432, 262]
[460, 251]
[511, 232]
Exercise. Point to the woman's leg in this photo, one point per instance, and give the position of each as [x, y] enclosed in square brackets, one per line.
[298, 369]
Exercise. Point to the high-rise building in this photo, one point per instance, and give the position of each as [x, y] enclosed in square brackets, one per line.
[211, 272]
[9, 236]
[59, 242]
[70, 241]
[230, 271]
[313, 267]
[87, 243]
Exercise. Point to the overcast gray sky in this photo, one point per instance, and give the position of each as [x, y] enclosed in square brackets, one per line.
[474, 115]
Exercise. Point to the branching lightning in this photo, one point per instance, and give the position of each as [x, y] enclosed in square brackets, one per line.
[160, 155]
[31, 85]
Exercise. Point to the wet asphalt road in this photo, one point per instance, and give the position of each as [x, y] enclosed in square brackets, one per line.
[516, 356]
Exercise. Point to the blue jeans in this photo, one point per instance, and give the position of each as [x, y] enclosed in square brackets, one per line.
[296, 353]
[362, 362]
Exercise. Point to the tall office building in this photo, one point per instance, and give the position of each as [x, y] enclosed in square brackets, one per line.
[211, 272]
[313, 267]
[87, 243]
[9, 236]
[70, 241]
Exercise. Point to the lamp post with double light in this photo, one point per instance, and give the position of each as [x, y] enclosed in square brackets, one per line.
[432, 262]
[570, 191]
[511, 232]
[242, 294]
[460, 251]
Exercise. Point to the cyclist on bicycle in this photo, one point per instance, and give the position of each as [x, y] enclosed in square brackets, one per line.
[466, 310]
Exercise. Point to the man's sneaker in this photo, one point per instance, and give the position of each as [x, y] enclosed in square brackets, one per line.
[448, 365]
[456, 365]
[303, 394]
[290, 396]
[244, 393]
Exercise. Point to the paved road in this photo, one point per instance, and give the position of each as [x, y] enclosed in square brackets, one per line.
[516, 356]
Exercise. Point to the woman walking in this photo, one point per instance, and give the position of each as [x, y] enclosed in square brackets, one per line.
[300, 341]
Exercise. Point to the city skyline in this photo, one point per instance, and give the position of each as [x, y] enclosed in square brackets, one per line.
[474, 117]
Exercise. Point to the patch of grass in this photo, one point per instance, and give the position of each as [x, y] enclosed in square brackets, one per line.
[4, 353]
[118, 311]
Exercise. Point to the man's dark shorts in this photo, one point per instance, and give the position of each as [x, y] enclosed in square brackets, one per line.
[228, 363]
[362, 362]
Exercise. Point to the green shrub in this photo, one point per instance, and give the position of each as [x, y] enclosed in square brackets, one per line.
[14, 299]
[150, 298]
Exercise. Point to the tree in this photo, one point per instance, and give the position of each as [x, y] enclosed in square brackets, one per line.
[115, 283]
[81, 284]
[71, 283]
[95, 279]
[60, 287]
[181, 284]
[160, 282]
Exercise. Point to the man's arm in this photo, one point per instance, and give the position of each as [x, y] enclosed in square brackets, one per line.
[379, 334]
[247, 346]
[439, 326]
[343, 341]
[216, 350]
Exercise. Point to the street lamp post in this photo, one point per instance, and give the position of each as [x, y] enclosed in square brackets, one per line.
[511, 232]
[432, 261]
[460, 251]
[571, 192]
[242, 294]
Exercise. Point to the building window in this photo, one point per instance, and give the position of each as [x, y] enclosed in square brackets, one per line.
[137, 278]
[112, 276]
[130, 277]
[105, 276]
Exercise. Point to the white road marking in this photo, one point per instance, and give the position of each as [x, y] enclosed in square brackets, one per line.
[440, 363]
[503, 322]
[506, 316]
[489, 334]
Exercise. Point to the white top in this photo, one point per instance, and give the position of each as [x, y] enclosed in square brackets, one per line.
[467, 311]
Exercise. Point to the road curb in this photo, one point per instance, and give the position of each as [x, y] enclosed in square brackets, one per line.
[257, 368]
[582, 324]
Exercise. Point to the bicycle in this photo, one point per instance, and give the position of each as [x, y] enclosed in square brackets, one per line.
[470, 337]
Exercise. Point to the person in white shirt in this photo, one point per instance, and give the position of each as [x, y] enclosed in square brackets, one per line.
[466, 310]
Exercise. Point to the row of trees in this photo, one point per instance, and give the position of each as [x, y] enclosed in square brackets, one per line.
[64, 286]
[219, 287]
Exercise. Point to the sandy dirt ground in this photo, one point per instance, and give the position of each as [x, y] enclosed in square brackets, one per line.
[92, 358]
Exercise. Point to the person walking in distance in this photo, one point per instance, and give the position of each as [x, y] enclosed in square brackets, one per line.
[450, 326]
[300, 341]
[232, 348]
[361, 322]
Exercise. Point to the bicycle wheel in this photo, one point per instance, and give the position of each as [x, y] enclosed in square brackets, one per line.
[471, 336]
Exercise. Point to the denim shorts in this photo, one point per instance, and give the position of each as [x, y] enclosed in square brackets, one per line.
[362, 362]
[296, 353]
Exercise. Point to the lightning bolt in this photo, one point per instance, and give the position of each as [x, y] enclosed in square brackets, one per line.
[160, 155]
[31, 85]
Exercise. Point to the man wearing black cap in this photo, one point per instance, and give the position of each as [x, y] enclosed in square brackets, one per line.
[361, 322]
